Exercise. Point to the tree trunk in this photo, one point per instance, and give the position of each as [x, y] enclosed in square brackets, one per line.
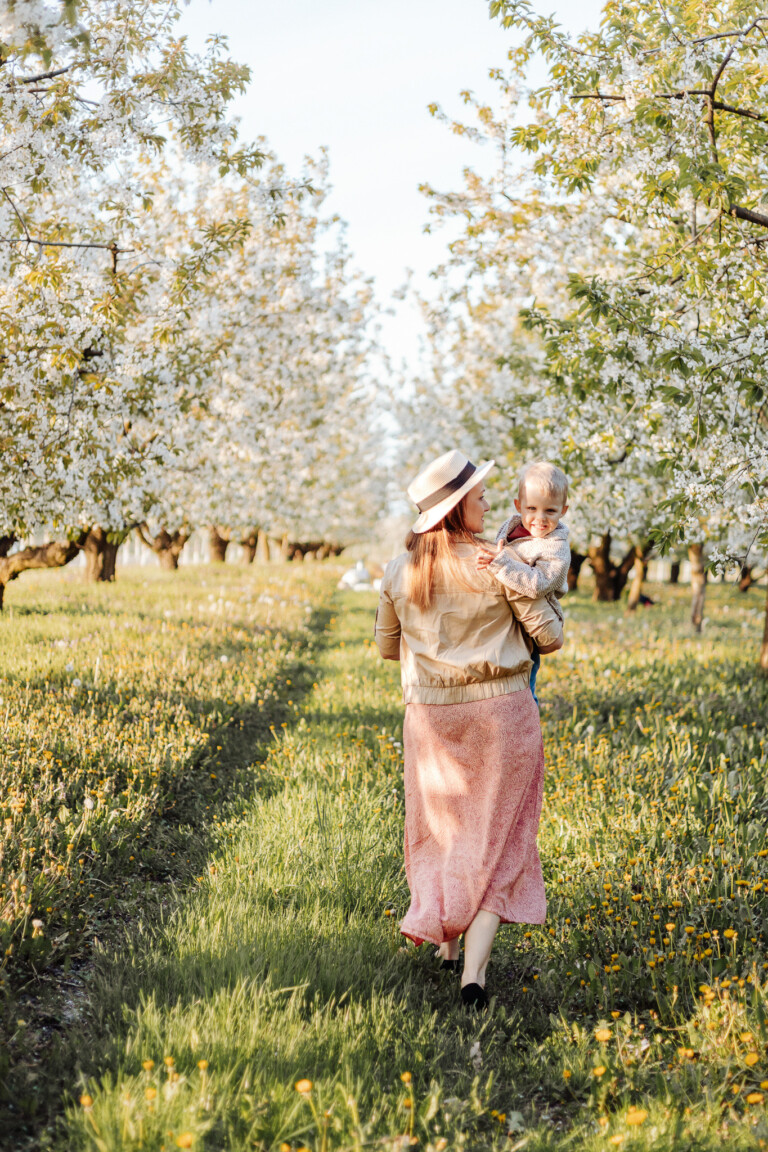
[764, 649]
[167, 546]
[674, 572]
[54, 555]
[600, 562]
[169, 560]
[639, 572]
[746, 578]
[610, 578]
[6, 543]
[285, 548]
[262, 548]
[218, 539]
[577, 560]
[100, 556]
[698, 584]
[249, 544]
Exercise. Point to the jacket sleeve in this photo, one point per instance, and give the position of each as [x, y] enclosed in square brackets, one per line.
[532, 580]
[387, 626]
[537, 617]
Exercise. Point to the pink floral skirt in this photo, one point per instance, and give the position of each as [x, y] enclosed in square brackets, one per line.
[474, 777]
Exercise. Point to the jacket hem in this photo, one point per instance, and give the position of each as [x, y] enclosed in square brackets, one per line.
[464, 693]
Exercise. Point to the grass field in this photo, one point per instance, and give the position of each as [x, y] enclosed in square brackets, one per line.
[252, 990]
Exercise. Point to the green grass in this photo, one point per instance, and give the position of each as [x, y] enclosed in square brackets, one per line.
[634, 1018]
[130, 720]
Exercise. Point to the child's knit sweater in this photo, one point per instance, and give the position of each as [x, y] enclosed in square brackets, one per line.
[531, 565]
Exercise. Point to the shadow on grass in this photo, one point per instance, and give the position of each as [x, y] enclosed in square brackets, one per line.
[36, 1063]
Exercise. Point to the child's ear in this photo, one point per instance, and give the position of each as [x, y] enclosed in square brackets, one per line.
[517, 505]
[565, 509]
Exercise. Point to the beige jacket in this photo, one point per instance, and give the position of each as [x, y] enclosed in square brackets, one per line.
[471, 643]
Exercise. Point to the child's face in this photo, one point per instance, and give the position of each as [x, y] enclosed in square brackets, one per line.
[540, 512]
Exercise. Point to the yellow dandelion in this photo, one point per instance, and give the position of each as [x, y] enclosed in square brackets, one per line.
[603, 1034]
[405, 1077]
[202, 1065]
[147, 1065]
[617, 1139]
[304, 1087]
[150, 1093]
[567, 1073]
[751, 1059]
[636, 1116]
[86, 1100]
[730, 934]
[755, 1098]
[599, 1071]
[185, 1140]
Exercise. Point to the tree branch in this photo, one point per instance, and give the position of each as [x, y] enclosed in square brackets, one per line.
[716, 36]
[717, 104]
[64, 244]
[53, 555]
[724, 62]
[43, 75]
[749, 215]
[720, 107]
[144, 539]
[19, 217]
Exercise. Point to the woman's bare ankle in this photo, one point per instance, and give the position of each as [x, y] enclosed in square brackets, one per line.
[449, 950]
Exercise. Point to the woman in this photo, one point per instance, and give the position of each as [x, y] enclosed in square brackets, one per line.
[474, 760]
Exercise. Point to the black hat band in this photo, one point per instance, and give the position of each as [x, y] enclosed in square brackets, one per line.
[448, 489]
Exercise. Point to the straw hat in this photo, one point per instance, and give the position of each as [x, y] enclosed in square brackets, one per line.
[442, 484]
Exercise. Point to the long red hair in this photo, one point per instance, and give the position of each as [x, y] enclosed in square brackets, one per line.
[433, 553]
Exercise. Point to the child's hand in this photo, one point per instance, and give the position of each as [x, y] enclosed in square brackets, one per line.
[484, 558]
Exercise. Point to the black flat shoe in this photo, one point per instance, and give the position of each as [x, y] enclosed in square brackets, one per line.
[473, 996]
[449, 966]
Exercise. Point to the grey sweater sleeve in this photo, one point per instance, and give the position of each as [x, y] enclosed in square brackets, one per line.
[543, 577]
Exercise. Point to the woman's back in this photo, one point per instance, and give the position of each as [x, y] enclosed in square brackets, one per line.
[468, 644]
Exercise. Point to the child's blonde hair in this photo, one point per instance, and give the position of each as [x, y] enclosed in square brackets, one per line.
[552, 482]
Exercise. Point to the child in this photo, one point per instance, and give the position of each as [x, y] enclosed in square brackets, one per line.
[533, 556]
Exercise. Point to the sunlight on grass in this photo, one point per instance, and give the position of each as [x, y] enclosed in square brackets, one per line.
[277, 1007]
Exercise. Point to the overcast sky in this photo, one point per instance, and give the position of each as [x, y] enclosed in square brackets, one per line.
[356, 76]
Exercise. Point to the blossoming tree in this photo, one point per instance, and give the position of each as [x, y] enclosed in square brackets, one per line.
[638, 232]
[91, 319]
[283, 445]
[658, 118]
